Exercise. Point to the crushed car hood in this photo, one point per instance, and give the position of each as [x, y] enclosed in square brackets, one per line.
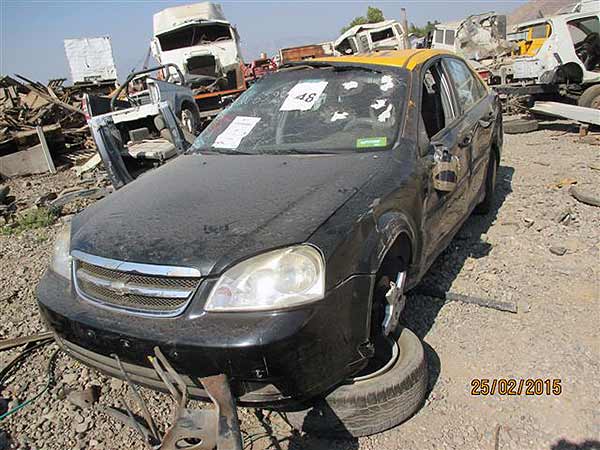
[209, 211]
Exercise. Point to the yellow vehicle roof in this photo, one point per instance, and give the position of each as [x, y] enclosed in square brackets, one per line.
[408, 59]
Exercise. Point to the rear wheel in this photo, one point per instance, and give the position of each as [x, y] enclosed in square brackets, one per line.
[490, 185]
[590, 97]
[379, 398]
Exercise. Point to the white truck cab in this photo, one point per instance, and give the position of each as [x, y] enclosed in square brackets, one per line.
[202, 43]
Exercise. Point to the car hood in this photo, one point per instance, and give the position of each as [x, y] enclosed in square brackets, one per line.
[208, 211]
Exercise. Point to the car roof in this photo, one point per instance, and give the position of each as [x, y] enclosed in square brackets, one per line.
[407, 59]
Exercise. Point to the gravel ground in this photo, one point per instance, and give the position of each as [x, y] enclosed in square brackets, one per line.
[504, 256]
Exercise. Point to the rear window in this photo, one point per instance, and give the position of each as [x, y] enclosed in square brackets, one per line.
[450, 37]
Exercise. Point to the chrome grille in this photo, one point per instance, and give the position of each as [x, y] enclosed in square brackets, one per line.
[137, 288]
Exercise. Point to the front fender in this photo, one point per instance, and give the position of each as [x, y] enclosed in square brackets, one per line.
[390, 227]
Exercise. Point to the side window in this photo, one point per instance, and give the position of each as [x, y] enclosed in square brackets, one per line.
[539, 31]
[380, 35]
[436, 107]
[467, 87]
[439, 36]
[449, 37]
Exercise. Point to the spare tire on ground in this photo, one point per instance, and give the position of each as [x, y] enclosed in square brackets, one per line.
[371, 404]
[518, 126]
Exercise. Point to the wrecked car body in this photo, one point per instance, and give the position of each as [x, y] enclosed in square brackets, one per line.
[278, 249]
[478, 37]
[557, 55]
[369, 37]
[141, 132]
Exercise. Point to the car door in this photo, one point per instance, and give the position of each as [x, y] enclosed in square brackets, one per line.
[442, 130]
[477, 110]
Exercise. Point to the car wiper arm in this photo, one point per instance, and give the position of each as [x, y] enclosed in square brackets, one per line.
[222, 151]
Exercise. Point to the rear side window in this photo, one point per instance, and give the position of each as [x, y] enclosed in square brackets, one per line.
[468, 87]
[539, 31]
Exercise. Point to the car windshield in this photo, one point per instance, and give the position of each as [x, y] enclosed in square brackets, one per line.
[311, 110]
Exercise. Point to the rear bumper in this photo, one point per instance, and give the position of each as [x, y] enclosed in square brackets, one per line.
[272, 358]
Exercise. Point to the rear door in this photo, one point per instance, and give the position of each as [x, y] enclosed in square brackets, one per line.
[476, 108]
[442, 130]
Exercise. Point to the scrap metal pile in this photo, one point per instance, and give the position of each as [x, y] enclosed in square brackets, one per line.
[26, 105]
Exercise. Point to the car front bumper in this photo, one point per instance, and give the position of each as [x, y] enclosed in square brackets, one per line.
[274, 358]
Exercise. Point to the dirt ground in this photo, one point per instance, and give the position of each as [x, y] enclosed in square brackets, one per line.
[503, 256]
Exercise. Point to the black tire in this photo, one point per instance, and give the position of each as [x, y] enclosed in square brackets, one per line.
[590, 97]
[490, 186]
[367, 407]
[518, 126]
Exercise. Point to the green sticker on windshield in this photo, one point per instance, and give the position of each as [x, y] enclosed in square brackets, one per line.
[371, 142]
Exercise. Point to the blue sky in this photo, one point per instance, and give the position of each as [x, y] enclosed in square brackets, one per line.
[32, 31]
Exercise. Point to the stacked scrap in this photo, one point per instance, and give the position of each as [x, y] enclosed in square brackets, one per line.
[26, 104]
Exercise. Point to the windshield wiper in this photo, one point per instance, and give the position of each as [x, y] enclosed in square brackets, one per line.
[223, 151]
[296, 151]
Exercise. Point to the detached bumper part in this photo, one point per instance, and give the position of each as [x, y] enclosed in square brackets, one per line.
[198, 429]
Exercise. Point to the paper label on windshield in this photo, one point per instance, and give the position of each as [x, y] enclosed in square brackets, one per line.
[303, 96]
[371, 142]
[237, 130]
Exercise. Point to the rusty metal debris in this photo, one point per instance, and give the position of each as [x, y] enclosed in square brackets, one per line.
[195, 429]
[500, 305]
[7, 344]
[31, 113]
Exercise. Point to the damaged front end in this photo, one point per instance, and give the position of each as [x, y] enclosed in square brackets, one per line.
[193, 429]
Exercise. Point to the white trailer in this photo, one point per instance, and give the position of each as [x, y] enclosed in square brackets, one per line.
[91, 60]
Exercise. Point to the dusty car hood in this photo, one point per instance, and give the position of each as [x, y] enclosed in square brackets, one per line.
[208, 211]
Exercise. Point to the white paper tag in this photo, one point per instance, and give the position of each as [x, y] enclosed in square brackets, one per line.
[237, 130]
[303, 96]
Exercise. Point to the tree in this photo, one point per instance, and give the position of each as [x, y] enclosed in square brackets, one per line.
[422, 31]
[374, 15]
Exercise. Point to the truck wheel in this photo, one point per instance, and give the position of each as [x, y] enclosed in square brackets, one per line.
[518, 126]
[490, 185]
[590, 97]
[373, 402]
[189, 119]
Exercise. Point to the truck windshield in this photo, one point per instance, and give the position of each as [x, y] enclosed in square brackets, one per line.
[310, 110]
[193, 35]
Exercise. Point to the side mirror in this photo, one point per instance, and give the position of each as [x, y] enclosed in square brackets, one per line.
[445, 170]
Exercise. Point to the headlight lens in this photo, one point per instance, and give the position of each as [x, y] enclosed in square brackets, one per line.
[278, 279]
[61, 260]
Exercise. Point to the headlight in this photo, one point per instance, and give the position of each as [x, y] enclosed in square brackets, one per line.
[274, 280]
[61, 260]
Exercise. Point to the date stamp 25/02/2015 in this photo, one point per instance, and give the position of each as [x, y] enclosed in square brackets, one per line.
[513, 386]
